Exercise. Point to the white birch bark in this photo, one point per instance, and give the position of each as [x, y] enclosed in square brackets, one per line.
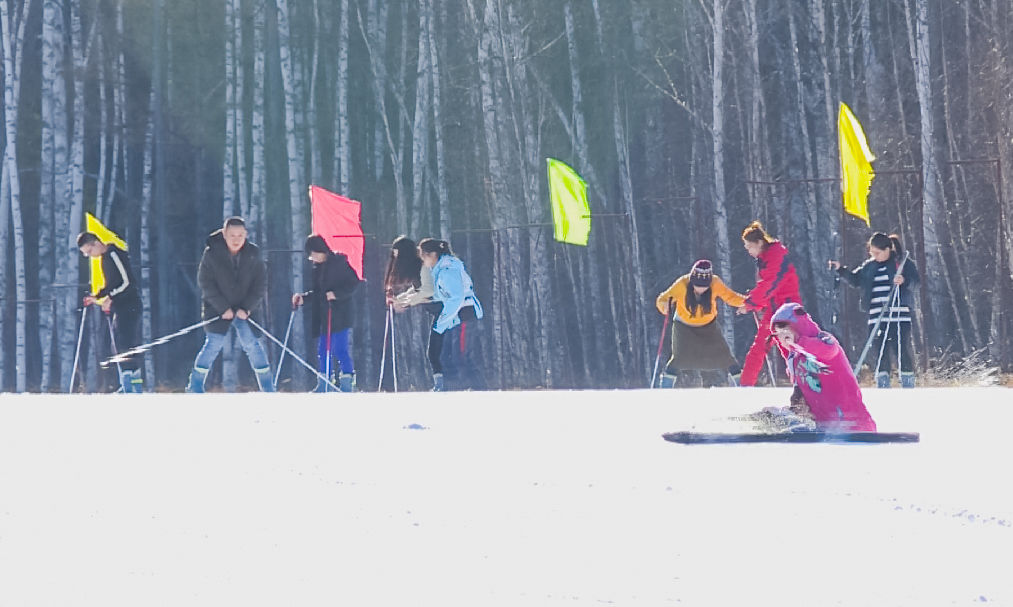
[342, 134]
[442, 191]
[147, 193]
[377, 24]
[420, 123]
[70, 217]
[5, 225]
[242, 174]
[230, 206]
[258, 172]
[296, 181]
[718, 157]
[52, 169]
[13, 35]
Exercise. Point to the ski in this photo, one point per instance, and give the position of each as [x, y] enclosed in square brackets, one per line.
[710, 438]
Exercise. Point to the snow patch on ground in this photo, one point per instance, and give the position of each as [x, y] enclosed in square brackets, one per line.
[497, 498]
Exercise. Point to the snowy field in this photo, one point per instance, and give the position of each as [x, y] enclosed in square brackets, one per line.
[497, 498]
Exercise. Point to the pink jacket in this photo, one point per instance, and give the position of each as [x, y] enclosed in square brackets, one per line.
[819, 367]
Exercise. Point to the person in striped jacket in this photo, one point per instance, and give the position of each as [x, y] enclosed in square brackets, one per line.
[119, 297]
[876, 276]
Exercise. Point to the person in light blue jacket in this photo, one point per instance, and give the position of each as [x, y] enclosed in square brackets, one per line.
[453, 289]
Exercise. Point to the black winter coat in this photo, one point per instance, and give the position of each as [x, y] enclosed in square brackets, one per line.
[230, 282]
[335, 275]
[864, 277]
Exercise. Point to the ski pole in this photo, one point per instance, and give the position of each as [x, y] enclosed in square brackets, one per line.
[288, 331]
[383, 356]
[293, 354]
[77, 352]
[661, 342]
[393, 348]
[886, 336]
[161, 340]
[112, 344]
[327, 350]
[879, 319]
[766, 354]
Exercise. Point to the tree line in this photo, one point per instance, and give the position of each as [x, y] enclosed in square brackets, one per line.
[687, 120]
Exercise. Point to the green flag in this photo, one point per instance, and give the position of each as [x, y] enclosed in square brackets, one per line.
[568, 196]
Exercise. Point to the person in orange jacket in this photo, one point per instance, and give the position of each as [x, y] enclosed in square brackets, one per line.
[697, 342]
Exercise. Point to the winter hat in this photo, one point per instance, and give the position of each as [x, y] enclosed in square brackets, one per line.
[316, 244]
[700, 275]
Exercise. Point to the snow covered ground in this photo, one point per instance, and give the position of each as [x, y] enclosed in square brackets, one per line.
[497, 498]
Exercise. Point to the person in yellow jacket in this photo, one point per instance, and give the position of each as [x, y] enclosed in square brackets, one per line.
[697, 342]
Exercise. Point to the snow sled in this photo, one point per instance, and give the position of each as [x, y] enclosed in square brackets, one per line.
[713, 438]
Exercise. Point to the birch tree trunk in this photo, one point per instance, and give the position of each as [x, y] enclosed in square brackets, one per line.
[147, 193]
[377, 39]
[5, 225]
[258, 172]
[342, 134]
[54, 159]
[296, 181]
[718, 151]
[12, 23]
[442, 192]
[934, 211]
[420, 124]
[230, 206]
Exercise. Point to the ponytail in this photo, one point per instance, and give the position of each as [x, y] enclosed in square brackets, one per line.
[887, 243]
[754, 232]
[433, 245]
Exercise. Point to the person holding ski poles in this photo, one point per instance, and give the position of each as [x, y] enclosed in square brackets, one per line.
[233, 281]
[334, 281]
[826, 396]
[454, 289]
[697, 342]
[776, 284]
[876, 276]
[119, 297]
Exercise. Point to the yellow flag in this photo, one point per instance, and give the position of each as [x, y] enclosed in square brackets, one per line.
[571, 215]
[856, 164]
[107, 236]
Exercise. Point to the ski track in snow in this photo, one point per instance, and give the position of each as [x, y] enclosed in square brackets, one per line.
[497, 498]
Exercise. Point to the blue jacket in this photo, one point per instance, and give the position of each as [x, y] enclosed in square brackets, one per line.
[864, 277]
[453, 287]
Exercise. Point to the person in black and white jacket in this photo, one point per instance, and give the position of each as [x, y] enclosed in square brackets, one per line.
[876, 276]
[120, 298]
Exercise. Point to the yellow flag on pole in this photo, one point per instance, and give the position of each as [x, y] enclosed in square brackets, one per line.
[107, 236]
[571, 215]
[856, 164]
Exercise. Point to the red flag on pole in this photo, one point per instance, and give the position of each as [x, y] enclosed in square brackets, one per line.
[339, 221]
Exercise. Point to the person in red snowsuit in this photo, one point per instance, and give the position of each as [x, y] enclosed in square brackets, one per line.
[776, 284]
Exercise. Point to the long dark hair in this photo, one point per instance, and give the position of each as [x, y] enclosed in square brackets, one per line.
[404, 266]
[695, 303]
[888, 243]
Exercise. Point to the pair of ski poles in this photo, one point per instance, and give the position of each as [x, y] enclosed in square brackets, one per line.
[891, 297]
[284, 347]
[77, 350]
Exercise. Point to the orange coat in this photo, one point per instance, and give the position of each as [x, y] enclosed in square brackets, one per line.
[677, 294]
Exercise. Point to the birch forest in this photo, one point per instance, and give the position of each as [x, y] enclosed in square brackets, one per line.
[687, 120]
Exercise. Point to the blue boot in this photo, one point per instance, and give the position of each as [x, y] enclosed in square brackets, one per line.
[346, 382]
[668, 381]
[437, 382]
[907, 380]
[882, 379]
[197, 378]
[136, 382]
[264, 379]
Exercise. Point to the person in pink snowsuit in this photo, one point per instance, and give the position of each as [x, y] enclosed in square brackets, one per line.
[820, 371]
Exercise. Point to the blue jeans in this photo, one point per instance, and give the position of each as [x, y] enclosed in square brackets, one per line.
[214, 342]
[340, 352]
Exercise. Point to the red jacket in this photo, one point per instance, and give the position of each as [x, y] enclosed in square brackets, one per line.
[776, 281]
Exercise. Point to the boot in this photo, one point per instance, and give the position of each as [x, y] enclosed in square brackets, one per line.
[346, 382]
[668, 381]
[197, 377]
[882, 379]
[437, 382]
[907, 380]
[264, 379]
[136, 382]
[125, 384]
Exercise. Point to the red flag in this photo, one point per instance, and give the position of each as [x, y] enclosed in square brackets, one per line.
[339, 221]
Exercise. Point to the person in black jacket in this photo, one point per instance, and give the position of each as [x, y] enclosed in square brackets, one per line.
[233, 281]
[119, 297]
[876, 276]
[330, 299]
